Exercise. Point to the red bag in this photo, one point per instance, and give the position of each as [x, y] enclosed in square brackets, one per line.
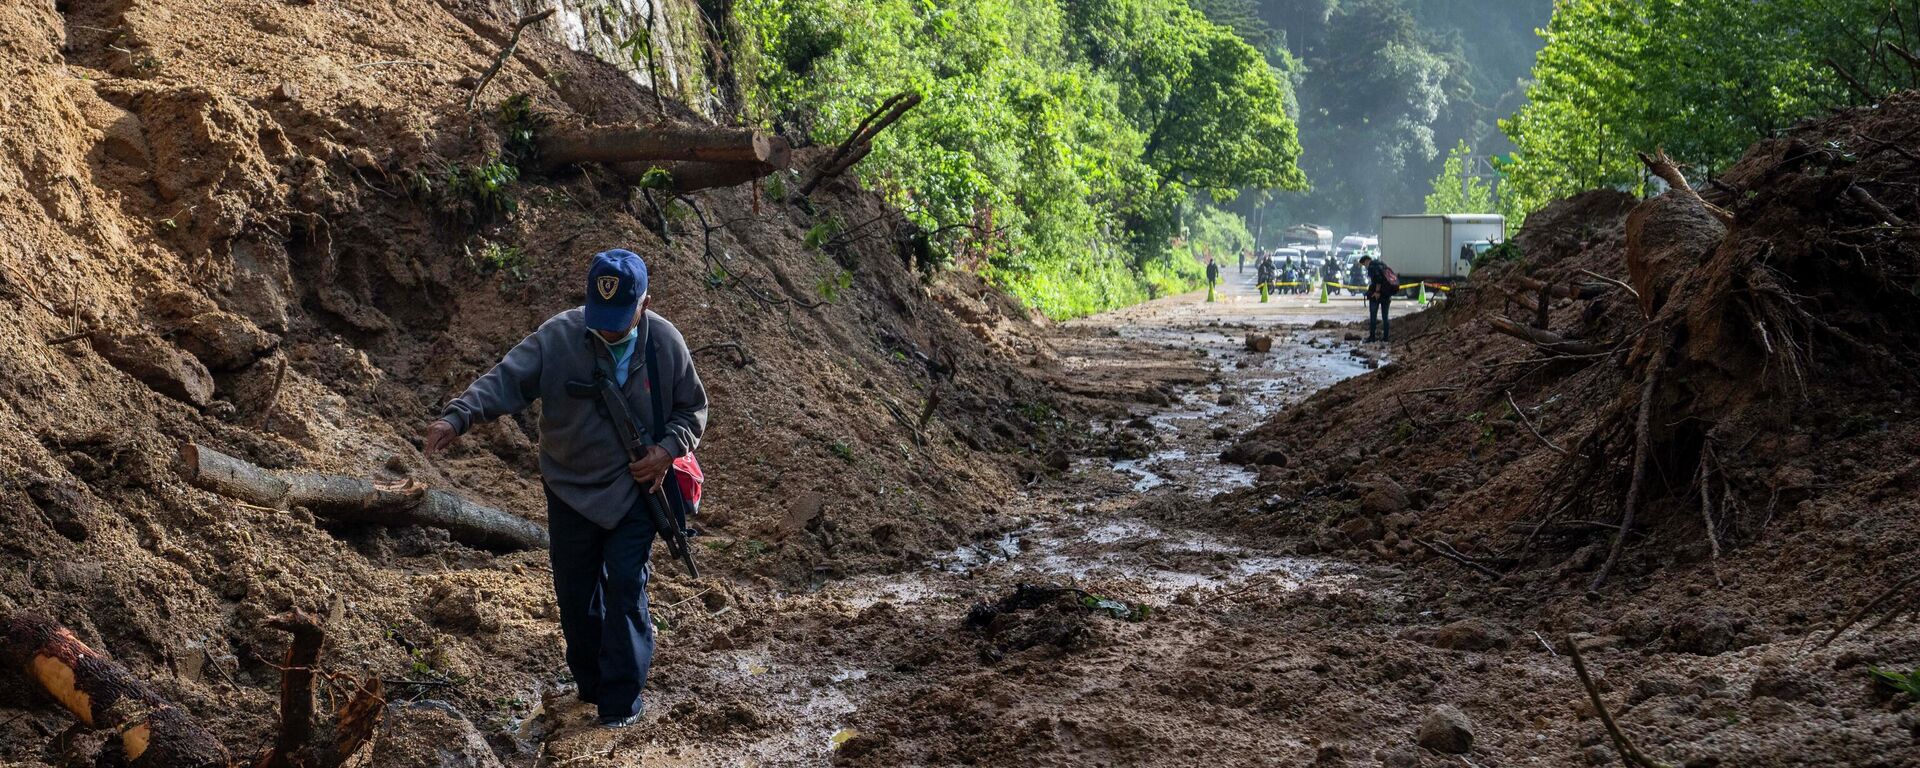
[1390, 276]
[691, 479]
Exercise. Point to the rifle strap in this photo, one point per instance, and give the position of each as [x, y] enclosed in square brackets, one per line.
[659, 413]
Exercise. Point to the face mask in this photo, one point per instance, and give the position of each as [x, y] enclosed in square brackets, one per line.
[632, 333]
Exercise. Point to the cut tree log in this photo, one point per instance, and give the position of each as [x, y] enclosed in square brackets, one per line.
[1659, 164]
[358, 500]
[1545, 339]
[661, 143]
[152, 732]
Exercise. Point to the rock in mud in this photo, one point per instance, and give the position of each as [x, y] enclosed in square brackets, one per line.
[1384, 497]
[430, 734]
[1446, 729]
[155, 363]
[1472, 635]
[67, 506]
[1784, 683]
[1261, 344]
[1254, 454]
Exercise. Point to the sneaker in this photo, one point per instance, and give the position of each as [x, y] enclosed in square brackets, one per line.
[614, 721]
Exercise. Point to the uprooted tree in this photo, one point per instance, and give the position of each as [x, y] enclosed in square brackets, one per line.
[1791, 290]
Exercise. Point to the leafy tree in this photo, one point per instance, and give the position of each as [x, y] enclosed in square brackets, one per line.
[1701, 78]
[1082, 127]
[1456, 190]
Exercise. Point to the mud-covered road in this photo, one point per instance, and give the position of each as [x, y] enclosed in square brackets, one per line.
[885, 669]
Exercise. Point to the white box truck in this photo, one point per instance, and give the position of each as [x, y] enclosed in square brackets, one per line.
[1438, 247]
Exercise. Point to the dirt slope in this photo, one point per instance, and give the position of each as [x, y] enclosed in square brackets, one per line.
[209, 194]
[1768, 469]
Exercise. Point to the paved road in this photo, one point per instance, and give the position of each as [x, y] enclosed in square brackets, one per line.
[1238, 301]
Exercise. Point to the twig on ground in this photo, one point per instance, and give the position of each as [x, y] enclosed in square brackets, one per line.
[68, 338]
[1865, 609]
[1530, 428]
[1597, 276]
[1629, 754]
[395, 63]
[1545, 644]
[1451, 554]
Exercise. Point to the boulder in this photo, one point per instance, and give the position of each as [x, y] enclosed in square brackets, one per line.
[1446, 729]
[430, 734]
[155, 363]
[1261, 344]
[1384, 497]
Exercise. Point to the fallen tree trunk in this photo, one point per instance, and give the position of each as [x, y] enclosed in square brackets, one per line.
[359, 500]
[103, 695]
[1583, 291]
[1544, 339]
[696, 176]
[664, 142]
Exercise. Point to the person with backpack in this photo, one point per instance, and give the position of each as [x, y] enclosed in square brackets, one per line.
[601, 528]
[1382, 284]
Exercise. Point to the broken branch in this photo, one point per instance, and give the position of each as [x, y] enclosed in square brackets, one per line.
[506, 52]
[1545, 339]
[1530, 428]
[860, 143]
[1451, 554]
[1659, 164]
[296, 688]
[1629, 754]
[359, 500]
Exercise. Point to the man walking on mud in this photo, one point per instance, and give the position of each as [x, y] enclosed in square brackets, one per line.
[1381, 285]
[600, 528]
[1213, 276]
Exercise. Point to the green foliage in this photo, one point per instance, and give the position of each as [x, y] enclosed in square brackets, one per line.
[821, 233]
[841, 449]
[1701, 78]
[478, 191]
[1080, 129]
[1503, 251]
[656, 178]
[497, 257]
[520, 126]
[1908, 683]
[1454, 191]
[830, 287]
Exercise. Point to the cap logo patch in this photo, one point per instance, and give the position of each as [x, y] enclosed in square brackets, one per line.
[608, 285]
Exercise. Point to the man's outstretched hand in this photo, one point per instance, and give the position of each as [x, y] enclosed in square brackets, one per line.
[652, 468]
[440, 434]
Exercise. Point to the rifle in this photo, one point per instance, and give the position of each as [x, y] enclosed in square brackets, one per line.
[614, 406]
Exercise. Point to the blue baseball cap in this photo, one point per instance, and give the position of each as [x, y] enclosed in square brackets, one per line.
[616, 283]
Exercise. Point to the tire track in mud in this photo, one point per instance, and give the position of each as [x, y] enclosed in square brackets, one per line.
[815, 667]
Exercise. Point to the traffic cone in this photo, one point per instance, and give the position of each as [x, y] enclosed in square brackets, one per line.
[1323, 291]
[1209, 293]
[1263, 293]
[1422, 290]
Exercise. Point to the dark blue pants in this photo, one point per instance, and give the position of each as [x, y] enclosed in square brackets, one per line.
[600, 581]
[1378, 308]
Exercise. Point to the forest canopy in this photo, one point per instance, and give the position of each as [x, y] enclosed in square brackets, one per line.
[1701, 78]
[1068, 142]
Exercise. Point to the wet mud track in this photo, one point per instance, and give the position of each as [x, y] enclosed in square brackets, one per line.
[886, 669]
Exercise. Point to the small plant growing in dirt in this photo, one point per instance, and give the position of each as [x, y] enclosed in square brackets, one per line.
[521, 125]
[656, 178]
[1908, 683]
[841, 449]
[481, 191]
[820, 234]
[1501, 253]
[830, 287]
[496, 257]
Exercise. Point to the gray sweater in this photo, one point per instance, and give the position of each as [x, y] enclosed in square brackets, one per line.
[580, 454]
